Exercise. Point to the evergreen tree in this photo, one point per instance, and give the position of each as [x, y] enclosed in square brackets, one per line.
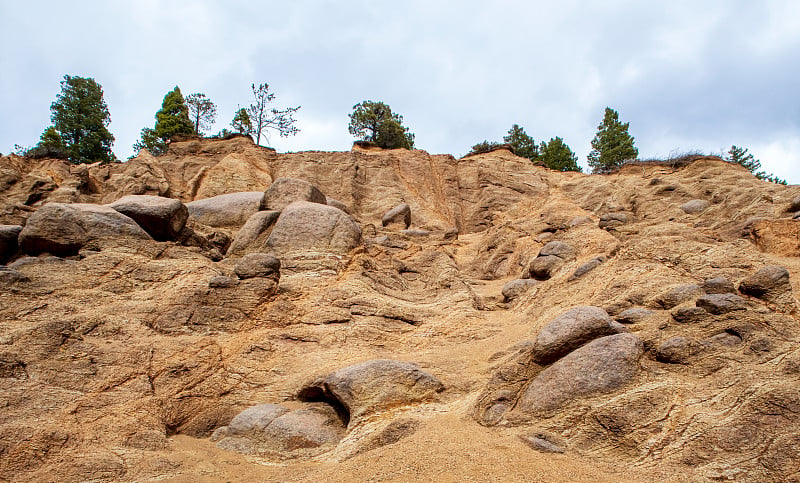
[171, 119]
[482, 147]
[612, 145]
[50, 146]
[375, 122]
[241, 122]
[80, 117]
[741, 156]
[202, 112]
[558, 156]
[522, 144]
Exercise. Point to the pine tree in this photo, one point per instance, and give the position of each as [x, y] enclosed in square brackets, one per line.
[521, 144]
[741, 156]
[483, 147]
[612, 145]
[80, 117]
[263, 118]
[241, 122]
[375, 122]
[558, 156]
[171, 119]
[50, 146]
[202, 112]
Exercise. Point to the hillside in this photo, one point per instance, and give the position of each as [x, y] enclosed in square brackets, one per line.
[559, 326]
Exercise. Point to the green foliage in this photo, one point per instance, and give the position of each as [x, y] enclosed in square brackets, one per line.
[743, 157]
[612, 145]
[375, 122]
[171, 119]
[483, 147]
[241, 122]
[263, 118]
[50, 146]
[202, 112]
[558, 156]
[521, 144]
[80, 117]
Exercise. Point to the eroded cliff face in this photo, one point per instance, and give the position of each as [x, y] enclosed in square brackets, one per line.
[682, 362]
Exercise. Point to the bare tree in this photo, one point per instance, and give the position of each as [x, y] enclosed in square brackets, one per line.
[202, 111]
[263, 118]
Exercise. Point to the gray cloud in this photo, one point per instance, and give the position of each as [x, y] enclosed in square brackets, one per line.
[686, 75]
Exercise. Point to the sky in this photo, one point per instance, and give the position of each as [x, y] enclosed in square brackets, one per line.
[687, 75]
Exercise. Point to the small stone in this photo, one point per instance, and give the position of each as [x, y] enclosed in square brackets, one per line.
[613, 220]
[586, 268]
[542, 268]
[695, 206]
[399, 215]
[558, 249]
[721, 303]
[678, 295]
[676, 350]
[9, 276]
[634, 315]
[541, 442]
[258, 265]
[515, 288]
[764, 280]
[415, 232]
[687, 315]
[718, 285]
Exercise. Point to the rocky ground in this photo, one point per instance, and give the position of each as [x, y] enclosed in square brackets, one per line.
[227, 313]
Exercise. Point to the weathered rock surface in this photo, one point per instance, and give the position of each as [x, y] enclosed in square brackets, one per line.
[721, 303]
[515, 288]
[676, 350]
[162, 218]
[601, 366]
[677, 295]
[399, 216]
[718, 285]
[8, 241]
[304, 226]
[258, 265]
[571, 330]
[252, 237]
[772, 284]
[633, 315]
[63, 229]
[285, 191]
[227, 210]
[372, 386]
[586, 268]
[695, 206]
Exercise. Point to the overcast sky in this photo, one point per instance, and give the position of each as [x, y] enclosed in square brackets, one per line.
[687, 75]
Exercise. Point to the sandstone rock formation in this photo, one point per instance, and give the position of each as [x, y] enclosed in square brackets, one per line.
[121, 356]
[162, 218]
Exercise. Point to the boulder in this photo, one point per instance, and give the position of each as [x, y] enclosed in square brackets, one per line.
[542, 268]
[415, 232]
[8, 242]
[221, 281]
[767, 279]
[676, 350]
[633, 315]
[601, 366]
[515, 288]
[9, 276]
[613, 220]
[305, 226]
[571, 330]
[400, 216]
[677, 295]
[372, 386]
[252, 237]
[586, 268]
[272, 429]
[772, 285]
[285, 191]
[721, 303]
[63, 229]
[337, 204]
[695, 206]
[258, 265]
[163, 218]
[557, 249]
[794, 205]
[687, 315]
[225, 211]
[718, 285]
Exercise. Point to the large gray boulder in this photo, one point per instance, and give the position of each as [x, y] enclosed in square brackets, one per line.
[225, 211]
[275, 430]
[63, 229]
[261, 265]
[400, 216]
[252, 237]
[601, 366]
[372, 386]
[305, 226]
[515, 288]
[163, 218]
[542, 268]
[571, 330]
[285, 191]
[8, 241]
